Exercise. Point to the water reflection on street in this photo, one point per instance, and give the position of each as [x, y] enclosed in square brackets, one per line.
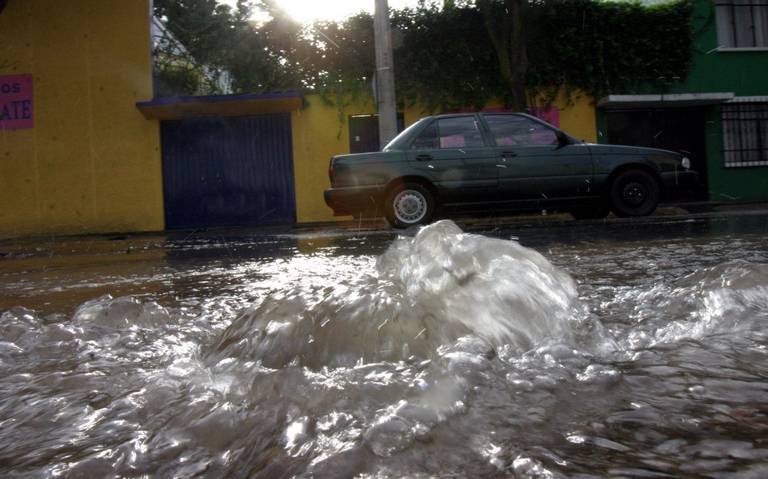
[624, 348]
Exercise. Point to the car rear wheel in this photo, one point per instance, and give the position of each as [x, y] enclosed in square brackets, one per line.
[634, 193]
[409, 204]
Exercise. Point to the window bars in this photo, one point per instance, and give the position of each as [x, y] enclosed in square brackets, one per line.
[745, 134]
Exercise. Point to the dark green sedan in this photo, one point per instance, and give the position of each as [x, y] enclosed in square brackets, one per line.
[501, 161]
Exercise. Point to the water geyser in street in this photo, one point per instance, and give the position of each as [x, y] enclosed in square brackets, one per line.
[426, 292]
[442, 354]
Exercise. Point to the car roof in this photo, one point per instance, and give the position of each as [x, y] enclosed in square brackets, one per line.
[469, 113]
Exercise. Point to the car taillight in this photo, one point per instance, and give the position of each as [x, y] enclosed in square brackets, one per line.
[330, 170]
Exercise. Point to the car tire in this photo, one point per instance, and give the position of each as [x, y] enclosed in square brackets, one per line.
[634, 193]
[596, 212]
[409, 204]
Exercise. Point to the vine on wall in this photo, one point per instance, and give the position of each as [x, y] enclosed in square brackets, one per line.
[602, 47]
[447, 60]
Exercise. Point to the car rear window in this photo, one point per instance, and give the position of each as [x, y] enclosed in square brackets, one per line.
[519, 130]
[454, 132]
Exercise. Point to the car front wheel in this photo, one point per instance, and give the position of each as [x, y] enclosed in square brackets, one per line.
[634, 193]
[409, 204]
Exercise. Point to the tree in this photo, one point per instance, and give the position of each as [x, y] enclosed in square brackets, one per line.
[504, 22]
[445, 60]
[449, 55]
[222, 39]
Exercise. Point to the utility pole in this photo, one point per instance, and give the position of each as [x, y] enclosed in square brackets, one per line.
[385, 74]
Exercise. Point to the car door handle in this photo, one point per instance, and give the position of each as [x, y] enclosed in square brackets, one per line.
[508, 154]
[424, 157]
[501, 166]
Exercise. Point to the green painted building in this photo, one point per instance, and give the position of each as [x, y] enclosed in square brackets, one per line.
[719, 113]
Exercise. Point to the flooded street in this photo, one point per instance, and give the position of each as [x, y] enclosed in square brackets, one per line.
[542, 350]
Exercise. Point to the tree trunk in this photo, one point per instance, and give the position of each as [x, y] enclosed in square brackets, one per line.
[504, 21]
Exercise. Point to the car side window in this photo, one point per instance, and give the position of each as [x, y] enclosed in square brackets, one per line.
[516, 130]
[454, 132]
[427, 139]
[459, 132]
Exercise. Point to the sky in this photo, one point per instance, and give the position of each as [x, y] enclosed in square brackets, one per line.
[309, 10]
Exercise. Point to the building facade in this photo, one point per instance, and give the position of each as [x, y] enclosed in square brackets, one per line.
[85, 147]
[85, 160]
[718, 114]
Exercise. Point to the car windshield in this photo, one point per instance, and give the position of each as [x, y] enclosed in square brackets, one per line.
[396, 142]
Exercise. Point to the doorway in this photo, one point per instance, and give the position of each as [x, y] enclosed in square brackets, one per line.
[364, 132]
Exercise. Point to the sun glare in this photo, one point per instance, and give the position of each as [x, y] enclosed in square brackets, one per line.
[310, 10]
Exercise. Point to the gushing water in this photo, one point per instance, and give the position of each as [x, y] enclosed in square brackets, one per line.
[451, 354]
[425, 292]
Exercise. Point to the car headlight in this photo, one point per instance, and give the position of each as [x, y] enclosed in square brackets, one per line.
[686, 162]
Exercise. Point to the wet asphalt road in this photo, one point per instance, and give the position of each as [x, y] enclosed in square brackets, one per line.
[618, 348]
[56, 274]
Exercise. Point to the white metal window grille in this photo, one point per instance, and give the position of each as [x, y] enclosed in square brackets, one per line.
[745, 131]
[742, 23]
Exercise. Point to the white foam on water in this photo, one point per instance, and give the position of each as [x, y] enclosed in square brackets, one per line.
[452, 355]
[730, 298]
[427, 291]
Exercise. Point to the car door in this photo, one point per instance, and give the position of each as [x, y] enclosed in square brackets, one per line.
[456, 156]
[534, 165]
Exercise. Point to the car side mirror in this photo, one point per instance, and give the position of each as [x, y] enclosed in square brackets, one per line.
[562, 139]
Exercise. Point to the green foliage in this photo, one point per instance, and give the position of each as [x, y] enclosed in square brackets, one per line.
[445, 57]
[506, 24]
[602, 47]
[223, 39]
[338, 57]
[338, 61]
[178, 80]
[445, 61]
[202, 26]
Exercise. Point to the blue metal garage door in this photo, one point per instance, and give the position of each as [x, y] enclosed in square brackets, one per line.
[228, 171]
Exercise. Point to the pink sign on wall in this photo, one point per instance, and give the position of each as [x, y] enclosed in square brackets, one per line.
[16, 107]
[551, 115]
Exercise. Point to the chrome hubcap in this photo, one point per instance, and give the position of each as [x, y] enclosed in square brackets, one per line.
[634, 193]
[410, 206]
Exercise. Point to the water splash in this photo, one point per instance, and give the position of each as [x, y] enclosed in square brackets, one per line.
[427, 291]
[731, 297]
[450, 355]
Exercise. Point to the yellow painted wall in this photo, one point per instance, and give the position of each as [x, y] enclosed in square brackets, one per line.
[92, 162]
[318, 134]
[577, 117]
